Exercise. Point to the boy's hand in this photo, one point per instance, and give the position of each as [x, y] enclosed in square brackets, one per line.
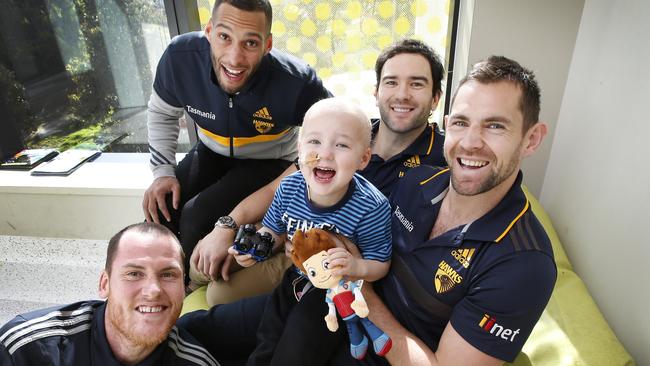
[244, 260]
[345, 264]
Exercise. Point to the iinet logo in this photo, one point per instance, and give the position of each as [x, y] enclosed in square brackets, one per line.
[490, 325]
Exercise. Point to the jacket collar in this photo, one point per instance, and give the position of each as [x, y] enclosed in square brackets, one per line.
[497, 222]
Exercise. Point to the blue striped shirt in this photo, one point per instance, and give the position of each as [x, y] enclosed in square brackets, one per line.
[363, 215]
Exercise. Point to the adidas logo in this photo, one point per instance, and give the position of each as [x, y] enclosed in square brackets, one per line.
[263, 114]
[413, 161]
[463, 255]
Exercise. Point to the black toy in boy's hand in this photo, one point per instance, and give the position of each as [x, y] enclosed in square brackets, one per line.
[249, 241]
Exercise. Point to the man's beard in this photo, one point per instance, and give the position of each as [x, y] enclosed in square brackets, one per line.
[417, 122]
[493, 180]
[117, 319]
[216, 68]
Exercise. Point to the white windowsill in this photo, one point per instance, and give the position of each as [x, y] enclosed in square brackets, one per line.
[93, 202]
[110, 173]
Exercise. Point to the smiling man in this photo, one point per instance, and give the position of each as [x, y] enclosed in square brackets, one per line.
[471, 263]
[247, 100]
[143, 284]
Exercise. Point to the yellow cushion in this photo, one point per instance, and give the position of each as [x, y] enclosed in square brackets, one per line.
[571, 331]
[195, 301]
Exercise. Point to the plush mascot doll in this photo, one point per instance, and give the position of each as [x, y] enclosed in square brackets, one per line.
[310, 255]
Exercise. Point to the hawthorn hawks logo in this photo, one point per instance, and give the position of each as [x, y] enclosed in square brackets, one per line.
[262, 120]
[446, 278]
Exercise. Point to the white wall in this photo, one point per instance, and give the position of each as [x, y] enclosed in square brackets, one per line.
[597, 187]
[541, 36]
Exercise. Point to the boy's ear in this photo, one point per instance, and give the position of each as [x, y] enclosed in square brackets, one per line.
[365, 159]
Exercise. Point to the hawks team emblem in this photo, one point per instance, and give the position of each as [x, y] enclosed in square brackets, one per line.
[263, 121]
[446, 278]
[262, 126]
[443, 282]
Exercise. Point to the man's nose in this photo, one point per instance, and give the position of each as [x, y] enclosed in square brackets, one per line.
[403, 92]
[235, 55]
[472, 138]
[151, 288]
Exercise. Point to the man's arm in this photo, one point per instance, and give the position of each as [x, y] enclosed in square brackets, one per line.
[5, 357]
[210, 256]
[163, 129]
[409, 350]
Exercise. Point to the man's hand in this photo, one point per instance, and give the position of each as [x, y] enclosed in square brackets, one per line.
[154, 198]
[288, 248]
[211, 253]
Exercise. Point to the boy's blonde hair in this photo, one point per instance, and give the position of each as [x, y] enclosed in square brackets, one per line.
[339, 106]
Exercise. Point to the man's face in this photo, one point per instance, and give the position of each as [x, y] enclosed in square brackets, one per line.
[405, 93]
[238, 41]
[484, 141]
[145, 289]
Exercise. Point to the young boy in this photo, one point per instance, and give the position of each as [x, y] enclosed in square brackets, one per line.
[326, 193]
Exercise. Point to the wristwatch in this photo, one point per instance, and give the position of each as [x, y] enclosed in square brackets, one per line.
[226, 222]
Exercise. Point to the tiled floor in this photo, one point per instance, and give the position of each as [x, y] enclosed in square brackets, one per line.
[39, 272]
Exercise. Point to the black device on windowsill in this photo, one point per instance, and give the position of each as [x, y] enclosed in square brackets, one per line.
[28, 159]
[10, 140]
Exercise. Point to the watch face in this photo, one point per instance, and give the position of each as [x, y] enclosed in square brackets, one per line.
[226, 221]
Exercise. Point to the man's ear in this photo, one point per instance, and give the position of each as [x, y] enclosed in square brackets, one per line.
[103, 285]
[208, 30]
[533, 138]
[434, 102]
[445, 121]
[269, 44]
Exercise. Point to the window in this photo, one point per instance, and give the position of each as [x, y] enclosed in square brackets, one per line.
[341, 39]
[76, 69]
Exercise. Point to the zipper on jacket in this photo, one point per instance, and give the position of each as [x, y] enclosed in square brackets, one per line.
[232, 152]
